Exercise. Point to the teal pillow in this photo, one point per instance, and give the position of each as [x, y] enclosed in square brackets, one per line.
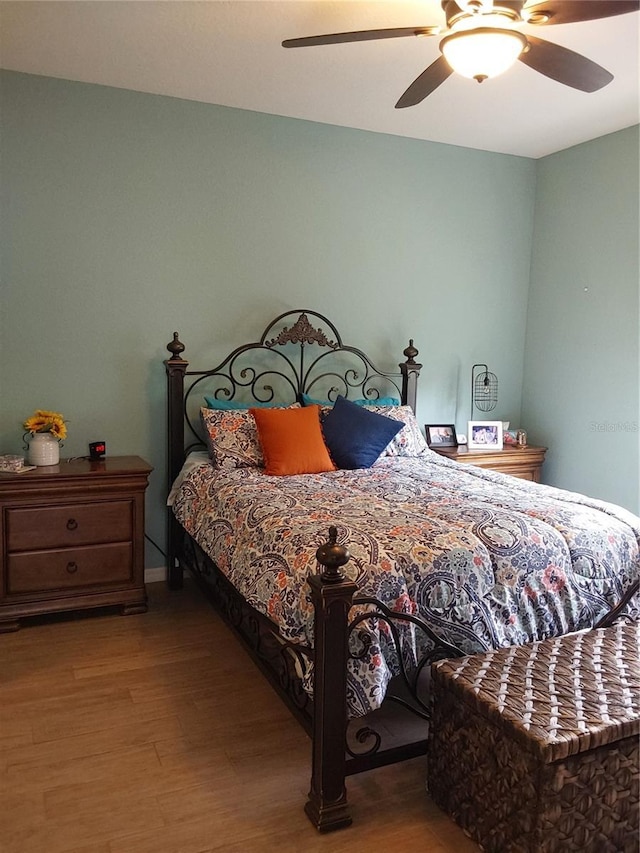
[381, 401]
[355, 436]
[234, 405]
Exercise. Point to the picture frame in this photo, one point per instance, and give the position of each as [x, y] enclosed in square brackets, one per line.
[485, 435]
[441, 435]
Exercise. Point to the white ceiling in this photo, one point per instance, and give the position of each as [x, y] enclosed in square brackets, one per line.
[230, 53]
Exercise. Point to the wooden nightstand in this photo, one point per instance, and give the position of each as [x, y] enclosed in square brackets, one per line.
[522, 462]
[72, 537]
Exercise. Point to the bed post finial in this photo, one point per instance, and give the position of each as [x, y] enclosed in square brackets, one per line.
[410, 370]
[332, 596]
[410, 353]
[332, 556]
[176, 348]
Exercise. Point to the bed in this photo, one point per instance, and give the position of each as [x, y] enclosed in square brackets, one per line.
[345, 582]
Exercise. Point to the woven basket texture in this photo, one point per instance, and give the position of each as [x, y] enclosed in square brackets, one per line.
[535, 749]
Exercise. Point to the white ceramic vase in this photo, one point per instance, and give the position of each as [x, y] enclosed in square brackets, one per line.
[44, 449]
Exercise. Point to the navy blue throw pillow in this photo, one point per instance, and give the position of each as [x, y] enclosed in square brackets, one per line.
[356, 436]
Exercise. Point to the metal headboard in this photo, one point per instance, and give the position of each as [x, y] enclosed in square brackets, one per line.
[299, 352]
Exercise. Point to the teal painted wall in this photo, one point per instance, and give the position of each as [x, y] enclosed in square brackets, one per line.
[581, 379]
[127, 216]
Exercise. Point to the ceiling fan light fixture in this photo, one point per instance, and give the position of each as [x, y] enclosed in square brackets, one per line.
[482, 52]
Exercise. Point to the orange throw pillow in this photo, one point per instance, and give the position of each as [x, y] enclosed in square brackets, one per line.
[292, 441]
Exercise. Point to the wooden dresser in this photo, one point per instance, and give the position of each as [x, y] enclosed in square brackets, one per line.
[523, 462]
[72, 537]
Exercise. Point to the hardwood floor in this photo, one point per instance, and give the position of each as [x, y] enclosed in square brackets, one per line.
[156, 734]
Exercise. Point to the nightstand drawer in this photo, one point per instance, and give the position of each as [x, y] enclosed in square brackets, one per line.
[36, 528]
[38, 571]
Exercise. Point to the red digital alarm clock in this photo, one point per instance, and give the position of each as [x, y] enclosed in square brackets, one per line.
[97, 450]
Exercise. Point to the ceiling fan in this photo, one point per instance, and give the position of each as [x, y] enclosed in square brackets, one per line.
[482, 40]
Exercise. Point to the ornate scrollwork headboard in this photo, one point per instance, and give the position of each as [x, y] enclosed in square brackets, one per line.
[299, 352]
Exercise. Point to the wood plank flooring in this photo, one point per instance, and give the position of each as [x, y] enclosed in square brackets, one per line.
[156, 734]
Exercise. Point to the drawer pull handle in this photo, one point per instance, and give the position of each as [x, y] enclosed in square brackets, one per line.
[72, 567]
[72, 524]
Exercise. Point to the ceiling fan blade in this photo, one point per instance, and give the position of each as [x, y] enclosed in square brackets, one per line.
[565, 66]
[425, 84]
[361, 35]
[573, 11]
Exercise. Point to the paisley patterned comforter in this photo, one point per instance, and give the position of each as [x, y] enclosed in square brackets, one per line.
[486, 559]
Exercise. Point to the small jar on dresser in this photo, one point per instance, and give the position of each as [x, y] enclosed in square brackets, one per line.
[72, 537]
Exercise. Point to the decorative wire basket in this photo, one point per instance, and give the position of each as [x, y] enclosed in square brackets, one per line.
[484, 389]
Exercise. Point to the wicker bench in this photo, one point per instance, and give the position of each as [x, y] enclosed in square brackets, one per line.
[534, 749]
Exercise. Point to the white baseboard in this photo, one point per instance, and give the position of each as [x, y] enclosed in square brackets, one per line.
[155, 575]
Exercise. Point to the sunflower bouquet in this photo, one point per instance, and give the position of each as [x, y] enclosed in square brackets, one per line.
[43, 421]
